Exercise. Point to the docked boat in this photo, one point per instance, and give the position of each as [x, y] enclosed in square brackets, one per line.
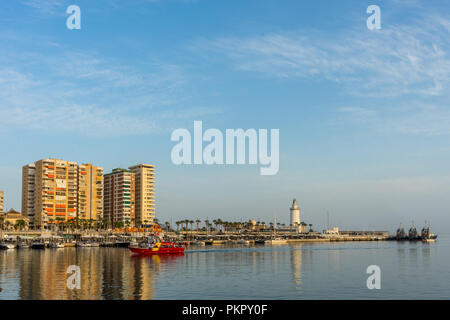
[38, 245]
[243, 241]
[95, 244]
[198, 243]
[6, 246]
[260, 241]
[56, 245]
[276, 241]
[107, 244]
[23, 245]
[154, 245]
[83, 244]
[427, 236]
[400, 234]
[412, 233]
[121, 244]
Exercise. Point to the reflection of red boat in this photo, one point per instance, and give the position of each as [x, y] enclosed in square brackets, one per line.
[158, 248]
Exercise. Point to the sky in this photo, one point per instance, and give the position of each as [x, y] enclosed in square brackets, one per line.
[363, 115]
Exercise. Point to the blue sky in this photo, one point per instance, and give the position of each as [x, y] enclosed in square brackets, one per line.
[363, 115]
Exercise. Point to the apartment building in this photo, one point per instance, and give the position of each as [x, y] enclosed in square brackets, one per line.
[1, 202]
[55, 190]
[145, 193]
[90, 192]
[28, 185]
[119, 197]
[55, 196]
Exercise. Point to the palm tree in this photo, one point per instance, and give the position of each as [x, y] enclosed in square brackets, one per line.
[21, 224]
[178, 226]
[197, 222]
[167, 223]
[2, 220]
[310, 228]
[207, 226]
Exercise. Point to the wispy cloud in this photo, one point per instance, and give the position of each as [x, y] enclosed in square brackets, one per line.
[395, 61]
[47, 6]
[84, 94]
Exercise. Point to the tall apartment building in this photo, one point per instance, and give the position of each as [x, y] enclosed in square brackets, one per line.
[28, 185]
[1, 202]
[145, 193]
[55, 196]
[53, 188]
[90, 192]
[119, 197]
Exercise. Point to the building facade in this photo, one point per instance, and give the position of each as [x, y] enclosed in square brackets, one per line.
[1, 202]
[28, 186]
[56, 194]
[119, 198]
[145, 193]
[55, 190]
[90, 192]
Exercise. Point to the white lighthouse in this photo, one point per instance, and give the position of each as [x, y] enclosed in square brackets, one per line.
[295, 214]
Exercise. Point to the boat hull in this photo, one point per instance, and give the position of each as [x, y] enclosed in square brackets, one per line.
[169, 250]
[39, 246]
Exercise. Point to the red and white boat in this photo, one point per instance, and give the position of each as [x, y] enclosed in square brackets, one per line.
[156, 246]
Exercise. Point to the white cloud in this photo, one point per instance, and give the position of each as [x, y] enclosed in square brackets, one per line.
[394, 61]
[83, 94]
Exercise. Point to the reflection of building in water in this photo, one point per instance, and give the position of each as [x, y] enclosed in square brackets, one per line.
[45, 278]
[139, 279]
[90, 265]
[112, 276]
[126, 277]
[296, 265]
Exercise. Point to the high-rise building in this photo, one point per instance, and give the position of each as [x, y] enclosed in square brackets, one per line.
[28, 186]
[145, 193]
[56, 194]
[55, 190]
[90, 192]
[1, 202]
[119, 197]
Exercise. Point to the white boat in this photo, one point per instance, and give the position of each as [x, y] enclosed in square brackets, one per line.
[6, 246]
[57, 245]
[95, 244]
[276, 241]
[22, 246]
[242, 241]
[83, 244]
[198, 243]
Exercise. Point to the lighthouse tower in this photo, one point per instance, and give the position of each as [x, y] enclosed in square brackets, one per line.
[295, 214]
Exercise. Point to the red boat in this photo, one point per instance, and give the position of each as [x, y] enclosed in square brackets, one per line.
[157, 248]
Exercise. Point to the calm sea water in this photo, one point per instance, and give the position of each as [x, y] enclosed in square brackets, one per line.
[409, 270]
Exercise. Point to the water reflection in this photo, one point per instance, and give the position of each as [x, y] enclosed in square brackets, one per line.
[321, 270]
[105, 273]
[296, 265]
